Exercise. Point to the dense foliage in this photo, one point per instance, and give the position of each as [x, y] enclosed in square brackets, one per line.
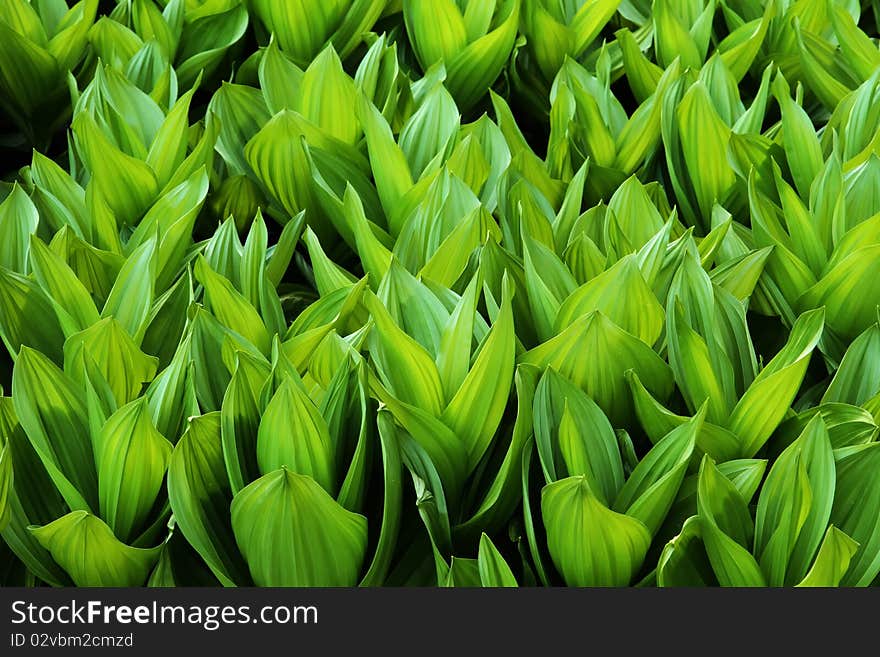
[440, 292]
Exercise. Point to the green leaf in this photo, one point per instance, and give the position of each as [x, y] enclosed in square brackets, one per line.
[124, 367]
[130, 299]
[494, 571]
[856, 510]
[231, 308]
[404, 365]
[704, 138]
[327, 96]
[476, 67]
[599, 370]
[785, 501]
[73, 304]
[572, 431]
[131, 458]
[591, 545]
[390, 167]
[814, 446]
[126, 184]
[832, 561]
[622, 295]
[684, 561]
[473, 414]
[18, 221]
[802, 148]
[6, 486]
[722, 511]
[199, 492]
[851, 274]
[650, 490]
[502, 495]
[858, 377]
[315, 542]
[392, 472]
[52, 412]
[430, 129]
[765, 403]
[27, 317]
[293, 435]
[86, 548]
[437, 31]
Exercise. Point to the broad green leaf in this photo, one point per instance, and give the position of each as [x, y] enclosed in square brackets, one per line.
[848, 279]
[802, 148]
[6, 486]
[293, 435]
[476, 67]
[327, 96]
[231, 308]
[126, 184]
[392, 470]
[572, 432]
[131, 458]
[437, 31]
[73, 304]
[704, 138]
[783, 506]
[683, 561]
[315, 541]
[503, 494]
[430, 129]
[86, 548]
[132, 294]
[858, 377]
[240, 420]
[591, 545]
[722, 510]
[124, 367]
[599, 370]
[27, 317]
[620, 294]
[814, 446]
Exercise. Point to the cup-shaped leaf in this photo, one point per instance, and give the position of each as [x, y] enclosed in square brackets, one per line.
[86, 548]
[131, 457]
[292, 533]
[591, 545]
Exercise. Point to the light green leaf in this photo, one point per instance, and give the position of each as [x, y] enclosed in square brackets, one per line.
[131, 457]
[832, 561]
[315, 541]
[765, 403]
[591, 545]
[86, 548]
[473, 414]
[494, 571]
